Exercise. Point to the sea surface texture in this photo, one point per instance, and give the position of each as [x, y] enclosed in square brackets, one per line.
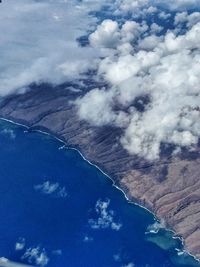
[58, 210]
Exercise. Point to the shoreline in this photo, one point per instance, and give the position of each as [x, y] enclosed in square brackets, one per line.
[65, 146]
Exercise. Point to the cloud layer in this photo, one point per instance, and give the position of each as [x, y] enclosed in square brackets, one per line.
[140, 7]
[148, 54]
[38, 43]
[144, 65]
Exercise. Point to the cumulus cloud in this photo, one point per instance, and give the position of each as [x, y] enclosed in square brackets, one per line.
[97, 100]
[140, 64]
[106, 35]
[144, 7]
[164, 15]
[38, 38]
[38, 43]
[155, 28]
[49, 188]
[109, 34]
[179, 4]
[105, 217]
[36, 256]
[166, 69]
[136, 7]
[150, 42]
[189, 19]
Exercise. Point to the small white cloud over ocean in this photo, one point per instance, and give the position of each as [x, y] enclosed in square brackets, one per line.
[105, 217]
[50, 188]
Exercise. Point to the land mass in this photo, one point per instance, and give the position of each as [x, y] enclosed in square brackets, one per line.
[169, 187]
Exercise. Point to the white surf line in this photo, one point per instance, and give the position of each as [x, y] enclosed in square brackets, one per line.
[113, 182]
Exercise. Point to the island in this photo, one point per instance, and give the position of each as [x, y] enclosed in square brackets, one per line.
[169, 187]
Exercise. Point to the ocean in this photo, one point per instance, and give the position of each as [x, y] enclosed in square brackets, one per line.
[58, 210]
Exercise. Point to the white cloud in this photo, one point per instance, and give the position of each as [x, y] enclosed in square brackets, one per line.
[143, 8]
[99, 99]
[129, 265]
[105, 217]
[36, 256]
[136, 7]
[110, 35]
[38, 42]
[118, 69]
[106, 35]
[155, 28]
[150, 42]
[135, 61]
[20, 244]
[38, 38]
[87, 239]
[4, 262]
[167, 70]
[178, 4]
[163, 15]
[49, 188]
[189, 19]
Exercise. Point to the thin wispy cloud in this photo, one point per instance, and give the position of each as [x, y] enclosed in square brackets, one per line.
[50, 188]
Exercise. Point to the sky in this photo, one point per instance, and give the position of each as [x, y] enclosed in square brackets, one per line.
[147, 52]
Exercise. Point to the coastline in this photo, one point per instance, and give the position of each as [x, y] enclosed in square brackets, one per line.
[65, 146]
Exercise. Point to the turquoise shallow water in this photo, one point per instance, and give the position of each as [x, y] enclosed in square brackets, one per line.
[57, 210]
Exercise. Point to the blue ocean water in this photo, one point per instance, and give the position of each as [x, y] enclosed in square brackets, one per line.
[57, 210]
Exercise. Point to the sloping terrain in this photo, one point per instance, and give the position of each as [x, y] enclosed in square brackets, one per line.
[169, 187]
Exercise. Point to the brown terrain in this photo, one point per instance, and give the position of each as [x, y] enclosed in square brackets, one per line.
[169, 187]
